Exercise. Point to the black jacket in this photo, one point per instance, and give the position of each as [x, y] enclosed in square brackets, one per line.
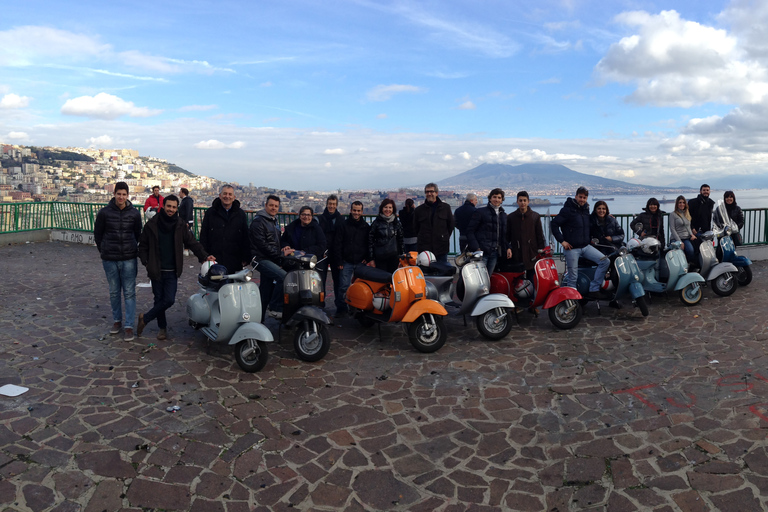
[700, 209]
[186, 209]
[117, 232]
[264, 237]
[433, 226]
[406, 219]
[653, 224]
[572, 224]
[385, 239]
[225, 235]
[330, 225]
[487, 230]
[463, 216]
[309, 239]
[609, 233]
[149, 246]
[351, 242]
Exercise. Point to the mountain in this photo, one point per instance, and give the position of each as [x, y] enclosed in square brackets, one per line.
[543, 179]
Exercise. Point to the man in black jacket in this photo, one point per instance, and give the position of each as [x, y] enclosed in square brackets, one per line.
[187, 207]
[224, 232]
[433, 223]
[463, 216]
[487, 230]
[700, 209]
[264, 239]
[330, 220]
[116, 230]
[350, 251]
[160, 249]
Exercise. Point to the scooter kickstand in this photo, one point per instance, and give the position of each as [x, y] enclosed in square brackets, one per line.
[465, 320]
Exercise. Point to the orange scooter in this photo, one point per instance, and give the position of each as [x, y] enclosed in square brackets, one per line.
[375, 295]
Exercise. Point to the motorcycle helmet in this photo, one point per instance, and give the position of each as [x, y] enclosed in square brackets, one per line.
[206, 267]
[524, 289]
[650, 245]
[633, 244]
[425, 258]
[214, 270]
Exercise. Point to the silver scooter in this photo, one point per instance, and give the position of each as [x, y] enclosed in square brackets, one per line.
[228, 310]
[722, 277]
[471, 293]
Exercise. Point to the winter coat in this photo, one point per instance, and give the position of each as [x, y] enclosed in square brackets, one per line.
[679, 227]
[434, 226]
[608, 233]
[700, 209]
[264, 237]
[309, 239]
[735, 214]
[406, 219]
[330, 225]
[351, 242]
[117, 232]
[225, 235]
[572, 224]
[153, 202]
[186, 209]
[653, 224]
[463, 216]
[487, 230]
[149, 246]
[385, 239]
[525, 236]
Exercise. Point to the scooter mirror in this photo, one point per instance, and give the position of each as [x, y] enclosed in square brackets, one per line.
[639, 227]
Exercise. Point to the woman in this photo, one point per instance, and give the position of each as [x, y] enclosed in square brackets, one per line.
[406, 219]
[385, 239]
[305, 234]
[652, 220]
[605, 228]
[680, 227]
[735, 214]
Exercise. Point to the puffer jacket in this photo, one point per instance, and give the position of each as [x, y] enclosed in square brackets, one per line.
[226, 235]
[385, 239]
[653, 224]
[149, 246]
[311, 238]
[351, 242]
[433, 226]
[609, 233]
[487, 230]
[264, 237]
[572, 224]
[117, 232]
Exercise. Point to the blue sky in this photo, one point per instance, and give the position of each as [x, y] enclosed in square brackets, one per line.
[382, 94]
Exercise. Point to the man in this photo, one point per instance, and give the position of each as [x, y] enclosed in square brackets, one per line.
[350, 251]
[224, 232]
[155, 200]
[487, 231]
[160, 250]
[116, 230]
[187, 207]
[433, 223]
[571, 228]
[330, 220]
[264, 238]
[463, 216]
[525, 234]
[700, 209]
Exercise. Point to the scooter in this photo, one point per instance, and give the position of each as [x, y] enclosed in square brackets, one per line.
[726, 249]
[470, 292]
[545, 291]
[228, 310]
[303, 293]
[722, 277]
[375, 295]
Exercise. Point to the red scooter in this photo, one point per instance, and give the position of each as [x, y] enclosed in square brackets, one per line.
[563, 303]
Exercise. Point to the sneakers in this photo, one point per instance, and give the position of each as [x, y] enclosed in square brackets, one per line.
[141, 325]
[116, 328]
[162, 334]
[128, 334]
[277, 315]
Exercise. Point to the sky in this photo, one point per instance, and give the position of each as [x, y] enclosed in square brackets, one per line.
[361, 94]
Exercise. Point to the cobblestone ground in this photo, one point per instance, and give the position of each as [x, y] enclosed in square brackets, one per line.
[621, 413]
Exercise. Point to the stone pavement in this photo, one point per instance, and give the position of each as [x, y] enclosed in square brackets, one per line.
[621, 413]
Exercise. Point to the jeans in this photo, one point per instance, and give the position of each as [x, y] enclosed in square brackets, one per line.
[271, 285]
[164, 290]
[572, 266]
[490, 258]
[346, 279]
[688, 248]
[121, 276]
[338, 300]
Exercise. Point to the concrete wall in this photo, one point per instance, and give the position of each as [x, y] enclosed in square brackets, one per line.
[41, 235]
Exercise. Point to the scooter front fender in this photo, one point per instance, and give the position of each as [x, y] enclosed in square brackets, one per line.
[740, 261]
[308, 313]
[421, 307]
[558, 295]
[722, 268]
[636, 290]
[687, 279]
[251, 330]
[492, 301]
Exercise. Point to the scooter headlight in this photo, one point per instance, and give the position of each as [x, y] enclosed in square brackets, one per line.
[557, 282]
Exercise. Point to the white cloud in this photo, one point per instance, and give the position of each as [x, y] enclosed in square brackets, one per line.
[17, 136]
[381, 116]
[102, 141]
[136, 59]
[30, 45]
[215, 144]
[464, 155]
[385, 92]
[198, 108]
[467, 105]
[14, 101]
[337, 151]
[105, 106]
[327, 165]
[447, 158]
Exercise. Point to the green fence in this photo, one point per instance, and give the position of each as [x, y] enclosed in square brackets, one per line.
[20, 217]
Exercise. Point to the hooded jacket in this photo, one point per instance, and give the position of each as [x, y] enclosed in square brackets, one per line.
[117, 231]
[487, 230]
[149, 245]
[225, 235]
[351, 242]
[264, 237]
[572, 224]
[653, 224]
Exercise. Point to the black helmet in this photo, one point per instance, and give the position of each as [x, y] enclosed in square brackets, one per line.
[215, 270]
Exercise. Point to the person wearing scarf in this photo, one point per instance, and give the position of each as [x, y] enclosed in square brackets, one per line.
[487, 231]
[385, 239]
[735, 214]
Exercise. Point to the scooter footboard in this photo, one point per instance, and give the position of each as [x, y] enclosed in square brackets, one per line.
[308, 313]
[251, 330]
[687, 279]
[421, 307]
[558, 295]
[492, 301]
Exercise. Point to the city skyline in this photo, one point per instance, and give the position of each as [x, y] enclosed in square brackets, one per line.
[298, 95]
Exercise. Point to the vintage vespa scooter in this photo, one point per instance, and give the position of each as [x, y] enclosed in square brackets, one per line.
[228, 310]
[375, 295]
[471, 292]
[724, 228]
[722, 277]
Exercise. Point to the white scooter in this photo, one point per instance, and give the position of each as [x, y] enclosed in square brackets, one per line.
[722, 277]
[228, 310]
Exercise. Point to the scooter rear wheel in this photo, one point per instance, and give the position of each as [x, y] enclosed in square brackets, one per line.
[725, 284]
[491, 326]
[691, 294]
[308, 347]
[426, 336]
[745, 275]
[565, 314]
[251, 355]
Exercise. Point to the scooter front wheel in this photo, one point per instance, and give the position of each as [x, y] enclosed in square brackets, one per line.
[494, 324]
[691, 294]
[251, 355]
[565, 314]
[311, 341]
[642, 303]
[427, 333]
[745, 275]
[725, 284]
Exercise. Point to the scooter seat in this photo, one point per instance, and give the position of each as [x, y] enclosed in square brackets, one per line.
[438, 269]
[373, 274]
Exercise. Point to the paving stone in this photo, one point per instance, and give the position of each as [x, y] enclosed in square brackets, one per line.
[737, 501]
[714, 482]
[584, 470]
[38, 497]
[108, 464]
[379, 489]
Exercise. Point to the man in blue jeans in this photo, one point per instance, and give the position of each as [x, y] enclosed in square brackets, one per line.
[571, 228]
[116, 230]
[351, 248]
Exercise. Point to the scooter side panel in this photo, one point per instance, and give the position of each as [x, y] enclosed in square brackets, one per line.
[360, 295]
[500, 283]
[251, 330]
[492, 301]
[740, 261]
[558, 295]
[722, 268]
[687, 279]
[424, 306]
[198, 309]
[308, 313]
